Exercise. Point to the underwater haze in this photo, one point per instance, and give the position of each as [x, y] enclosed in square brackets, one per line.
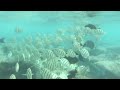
[59, 45]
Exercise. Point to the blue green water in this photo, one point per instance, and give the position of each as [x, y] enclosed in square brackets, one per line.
[33, 22]
[48, 22]
[109, 21]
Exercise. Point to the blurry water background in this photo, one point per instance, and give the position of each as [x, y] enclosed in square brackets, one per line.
[47, 22]
[33, 22]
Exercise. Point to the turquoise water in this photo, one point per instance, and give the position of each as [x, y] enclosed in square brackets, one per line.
[31, 22]
[40, 51]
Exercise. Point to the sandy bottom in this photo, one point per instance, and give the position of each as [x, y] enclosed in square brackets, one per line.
[105, 63]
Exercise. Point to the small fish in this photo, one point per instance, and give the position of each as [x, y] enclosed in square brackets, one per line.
[89, 44]
[17, 67]
[2, 40]
[23, 56]
[91, 13]
[84, 53]
[28, 73]
[91, 26]
[18, 30]
[100, 31]
[12, 76]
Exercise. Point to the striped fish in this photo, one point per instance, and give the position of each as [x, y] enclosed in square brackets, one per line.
[47, 74]
[52, 65]
[71, 53]
[59, 52]
[29, 73]
[12, 76]
[17, 67]
[99, 31]
[76, 45]
[64, 63]
[84, 52]
[48, 54]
